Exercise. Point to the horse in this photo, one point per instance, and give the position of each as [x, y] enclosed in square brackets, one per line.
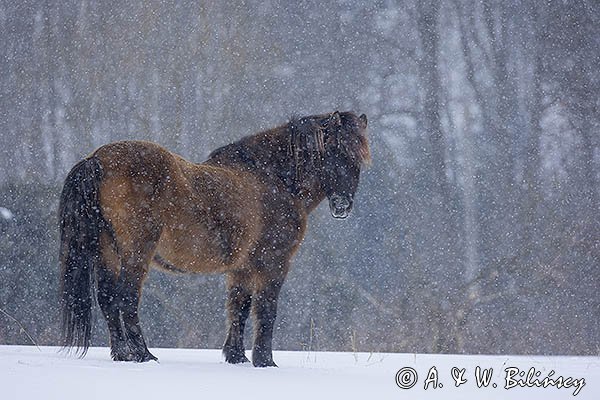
[133, 205]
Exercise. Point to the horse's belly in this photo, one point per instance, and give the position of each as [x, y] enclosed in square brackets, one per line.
[200, 250]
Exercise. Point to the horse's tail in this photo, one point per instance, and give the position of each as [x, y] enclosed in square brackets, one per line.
[81, 223]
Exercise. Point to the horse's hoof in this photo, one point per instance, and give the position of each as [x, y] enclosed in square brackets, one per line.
[240, 360]
[123, 357]
[263, 363]
[147, 357]
[235, 357]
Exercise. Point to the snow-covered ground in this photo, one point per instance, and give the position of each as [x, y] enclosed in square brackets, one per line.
[31, 373]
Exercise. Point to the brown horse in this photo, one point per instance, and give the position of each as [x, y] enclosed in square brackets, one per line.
[131, 205]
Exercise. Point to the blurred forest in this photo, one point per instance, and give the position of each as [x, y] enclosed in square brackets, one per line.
[476, 229]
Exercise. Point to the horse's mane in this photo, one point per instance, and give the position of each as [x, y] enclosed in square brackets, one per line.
[305, 144]
[307, 135]
[301, 142]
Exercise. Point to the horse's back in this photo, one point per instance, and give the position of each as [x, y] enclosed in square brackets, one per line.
[200, 218]
[136, 165]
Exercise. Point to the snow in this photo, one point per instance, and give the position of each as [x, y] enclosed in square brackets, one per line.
[6, 213]
[44, 373]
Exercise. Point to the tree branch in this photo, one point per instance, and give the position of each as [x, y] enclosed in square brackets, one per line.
[22, 327]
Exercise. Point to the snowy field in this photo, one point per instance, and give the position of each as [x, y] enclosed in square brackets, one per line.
[28, 373]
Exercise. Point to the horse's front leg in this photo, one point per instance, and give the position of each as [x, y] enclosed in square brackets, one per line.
[238, 308]
[264, 309]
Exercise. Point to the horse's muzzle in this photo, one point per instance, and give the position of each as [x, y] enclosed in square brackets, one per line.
[340, 206]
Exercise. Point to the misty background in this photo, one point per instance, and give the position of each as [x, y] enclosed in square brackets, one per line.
[475, 230]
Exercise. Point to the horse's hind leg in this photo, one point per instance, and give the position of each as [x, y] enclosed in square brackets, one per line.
[238, 309]
[130, 287]
[118, 300]
[136, 255]
[135, 249]
[108, 299]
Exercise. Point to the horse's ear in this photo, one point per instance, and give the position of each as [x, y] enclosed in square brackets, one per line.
[335, 119]
[363, 119]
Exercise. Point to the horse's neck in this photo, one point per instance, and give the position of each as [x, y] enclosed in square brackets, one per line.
[267, 154]
[311, 198]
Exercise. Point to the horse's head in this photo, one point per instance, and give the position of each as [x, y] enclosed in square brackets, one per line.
[345, 149]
